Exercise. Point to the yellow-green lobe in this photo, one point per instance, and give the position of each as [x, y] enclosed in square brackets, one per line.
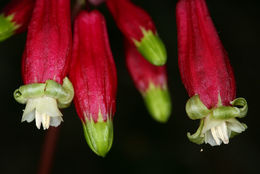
[99, 135]
[158, 102]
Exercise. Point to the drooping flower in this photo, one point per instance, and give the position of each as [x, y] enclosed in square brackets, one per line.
[45, 64]
[207, 75]
[15, 17]
[138, 27]
[151, 81]
[93, 74]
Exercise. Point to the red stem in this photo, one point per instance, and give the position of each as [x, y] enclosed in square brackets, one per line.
[48, 150]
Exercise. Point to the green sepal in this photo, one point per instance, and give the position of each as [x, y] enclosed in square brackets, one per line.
[99, 135]
[63, 93]
[7, 27]
[196, 109]
[152, 48]
[158, 102]
[197, 137]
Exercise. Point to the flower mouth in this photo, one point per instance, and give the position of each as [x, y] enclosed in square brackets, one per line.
[44, 110]
[219, 134]
[218, 124]
[217, 131]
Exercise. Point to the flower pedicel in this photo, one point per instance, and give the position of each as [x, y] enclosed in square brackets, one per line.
[207, 76]
[45, 64]
[93, 74]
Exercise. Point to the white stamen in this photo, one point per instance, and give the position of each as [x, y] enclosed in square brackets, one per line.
[220, 133]
[48, 122]
[215, 136]
[44, 120]
[38, 120]
[44, 110]
[217, 131]
[225, 133]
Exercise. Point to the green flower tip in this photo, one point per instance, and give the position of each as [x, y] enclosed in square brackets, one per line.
[7, 27]
[218, 124]
[158, 102]
[99, 135]
[152, 48]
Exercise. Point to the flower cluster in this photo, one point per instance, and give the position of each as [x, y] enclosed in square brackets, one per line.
[59, 66]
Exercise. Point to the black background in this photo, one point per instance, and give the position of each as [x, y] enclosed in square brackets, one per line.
[142, 145]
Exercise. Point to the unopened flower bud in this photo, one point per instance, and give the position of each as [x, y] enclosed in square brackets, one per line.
[93, 74]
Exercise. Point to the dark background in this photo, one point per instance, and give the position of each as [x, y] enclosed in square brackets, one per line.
[142, 145]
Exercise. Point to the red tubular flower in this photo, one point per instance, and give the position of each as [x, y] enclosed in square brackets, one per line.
[93, 74]
[138, 27]
[15, 17]
[207, 76]
[45, 64]
[151, 81]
